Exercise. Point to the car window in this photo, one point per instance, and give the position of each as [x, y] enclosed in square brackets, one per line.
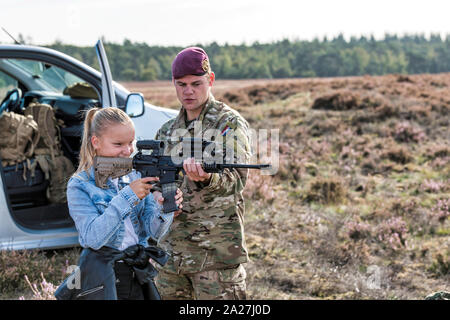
[55, 78]
[6, 83]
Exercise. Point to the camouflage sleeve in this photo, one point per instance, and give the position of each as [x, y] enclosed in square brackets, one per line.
[232, 181]
[161, 133]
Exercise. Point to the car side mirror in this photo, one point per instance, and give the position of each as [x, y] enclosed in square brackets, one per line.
[134, 105]
[14, 97]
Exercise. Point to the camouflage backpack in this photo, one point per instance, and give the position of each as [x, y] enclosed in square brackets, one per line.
[56, 167]
[44, 116]
[19, 136]
[58, 171]
[80, 90]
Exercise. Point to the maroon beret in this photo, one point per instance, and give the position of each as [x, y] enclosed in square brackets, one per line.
[192, 60]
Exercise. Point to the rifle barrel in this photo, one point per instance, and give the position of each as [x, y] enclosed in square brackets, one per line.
[257, 166]
[244, 166]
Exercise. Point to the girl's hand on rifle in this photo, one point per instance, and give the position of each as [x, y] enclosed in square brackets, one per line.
[142, 187]
[178, 200]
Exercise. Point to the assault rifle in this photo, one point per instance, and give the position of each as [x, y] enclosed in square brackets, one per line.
[157, 164]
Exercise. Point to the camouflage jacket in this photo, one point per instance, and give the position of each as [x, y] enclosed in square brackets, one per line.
[209, 234]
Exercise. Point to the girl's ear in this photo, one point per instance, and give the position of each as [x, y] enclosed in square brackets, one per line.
[94, 142]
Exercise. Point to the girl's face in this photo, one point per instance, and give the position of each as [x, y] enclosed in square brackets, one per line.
[115, 141]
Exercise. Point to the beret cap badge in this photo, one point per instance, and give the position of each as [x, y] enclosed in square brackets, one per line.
[205, 65]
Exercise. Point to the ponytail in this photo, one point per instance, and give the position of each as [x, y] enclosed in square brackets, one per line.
[96, 120]
[87, 152]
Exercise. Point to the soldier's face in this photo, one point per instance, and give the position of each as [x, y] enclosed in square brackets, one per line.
[116, 141]
[193, 91]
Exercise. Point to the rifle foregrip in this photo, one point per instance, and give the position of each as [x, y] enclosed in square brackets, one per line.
[169, 191]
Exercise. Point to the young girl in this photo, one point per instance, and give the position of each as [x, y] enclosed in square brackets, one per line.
[124, 214]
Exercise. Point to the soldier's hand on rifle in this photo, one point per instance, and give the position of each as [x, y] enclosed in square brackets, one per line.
[194, 171]
[142, 187]
[178, 200]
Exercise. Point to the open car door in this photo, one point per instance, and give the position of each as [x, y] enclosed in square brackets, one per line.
[108, 94]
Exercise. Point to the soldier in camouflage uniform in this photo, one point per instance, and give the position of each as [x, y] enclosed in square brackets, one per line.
[206, 241]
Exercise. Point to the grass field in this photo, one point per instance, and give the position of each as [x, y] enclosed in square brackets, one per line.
[359, 207]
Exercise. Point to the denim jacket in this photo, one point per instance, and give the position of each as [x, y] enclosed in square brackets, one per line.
[99, 214]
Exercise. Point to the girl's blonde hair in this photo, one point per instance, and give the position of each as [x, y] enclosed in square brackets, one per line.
[95, 123]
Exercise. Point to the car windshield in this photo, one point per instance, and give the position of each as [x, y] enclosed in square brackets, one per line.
[54, 77]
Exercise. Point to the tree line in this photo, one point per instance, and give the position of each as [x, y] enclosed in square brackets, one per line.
[408, 54]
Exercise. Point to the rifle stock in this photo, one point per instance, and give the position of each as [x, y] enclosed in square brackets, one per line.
[107, 167]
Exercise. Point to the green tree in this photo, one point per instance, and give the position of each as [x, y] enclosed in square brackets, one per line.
[152, 71]
[320, 57]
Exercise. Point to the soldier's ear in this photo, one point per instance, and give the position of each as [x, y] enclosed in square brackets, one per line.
[211, 79]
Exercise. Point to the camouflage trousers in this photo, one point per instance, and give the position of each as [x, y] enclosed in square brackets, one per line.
[223, 284]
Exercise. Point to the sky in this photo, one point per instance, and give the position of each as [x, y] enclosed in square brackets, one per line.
[184, 22]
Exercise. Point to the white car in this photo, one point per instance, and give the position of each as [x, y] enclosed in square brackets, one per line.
[27, 219]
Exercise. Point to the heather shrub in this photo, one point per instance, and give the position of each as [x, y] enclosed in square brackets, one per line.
[373, 166]
[439, 154]
[19, 265]
[440, 163]
[284, 168]
[259, 187]
[440, 105]
[418, 113]
[441, 264]
[325, 190]
[317, 148]
[438, 84]
[348, 152]
[397, 154]
[385, 111]
[360, 117]
[290, 167]
[404, 207]
[374, 100]
[258, 94]
[357, 230]
[15, 265]
[333, 245]
[392, 233]
[432, 186]
[368, 166]
[404, 78]
[420, 222]
[341, 100]
[321, 127]
[45, 290]
[236, 97]
[441, 211]
[438, 151]
[405, 132]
